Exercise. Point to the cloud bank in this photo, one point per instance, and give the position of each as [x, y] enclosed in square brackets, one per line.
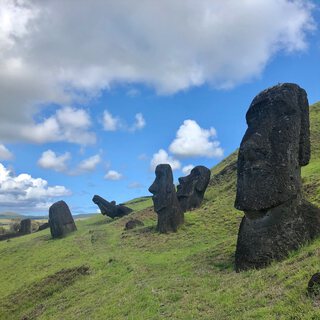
[66, 51]
[25, 193]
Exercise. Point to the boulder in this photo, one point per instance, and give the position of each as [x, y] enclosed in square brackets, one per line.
[133, 223]
[190, 191]
[166, 204]
[276, 144]
[110, 208]
[314, 285]
[60, 220]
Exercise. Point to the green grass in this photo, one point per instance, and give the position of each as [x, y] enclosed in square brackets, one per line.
[140, 274]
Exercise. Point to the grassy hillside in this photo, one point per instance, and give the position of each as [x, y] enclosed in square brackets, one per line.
[104, 272]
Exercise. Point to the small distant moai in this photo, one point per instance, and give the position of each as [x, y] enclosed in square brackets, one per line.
[276, 144]
[25, 226]
[190, 191]
[60, 220]
[110, 208]
[166, 204]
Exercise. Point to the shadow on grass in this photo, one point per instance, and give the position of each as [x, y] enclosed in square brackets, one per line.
[35, 295]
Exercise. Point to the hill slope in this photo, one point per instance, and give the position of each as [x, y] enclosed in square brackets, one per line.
[103, 272]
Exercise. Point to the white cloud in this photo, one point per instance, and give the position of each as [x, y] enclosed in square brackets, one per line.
[5, 154]
[162, 157]
[67, 124]
[187, 169]
[23, 192]
[47, 56]
[193, 141]
[89, 164]
[49, 160]
[113, 175]
[110, 123]
[113, 123]
[140, 122]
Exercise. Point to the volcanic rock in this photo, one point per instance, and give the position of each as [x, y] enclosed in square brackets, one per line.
[166, 204]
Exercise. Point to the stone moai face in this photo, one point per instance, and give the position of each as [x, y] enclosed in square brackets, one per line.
[192, 187]
[165, 201]
[163, 189]
[274, 147]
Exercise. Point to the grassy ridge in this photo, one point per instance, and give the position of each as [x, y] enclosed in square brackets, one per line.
[141, 274]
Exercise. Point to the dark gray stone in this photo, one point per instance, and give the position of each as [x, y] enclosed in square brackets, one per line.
[190, 191]
[166, 204]
[314, 285]
[131, 224]
[25, 226]
[276, 144]
[60, 220]
[44, 226]
[110, 208]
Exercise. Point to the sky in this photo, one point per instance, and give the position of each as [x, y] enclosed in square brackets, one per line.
[94, 94]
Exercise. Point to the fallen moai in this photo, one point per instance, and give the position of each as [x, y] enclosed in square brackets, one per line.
[110, 209]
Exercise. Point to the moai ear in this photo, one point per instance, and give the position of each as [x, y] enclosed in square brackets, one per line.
[169, 189]
[304, 143]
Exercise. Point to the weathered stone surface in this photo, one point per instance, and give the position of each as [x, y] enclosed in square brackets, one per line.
[25, 226]
[274, 147]
[314, 285]
[110, 208]
[133, 223]
[166, 204]
[190, 191]
[44, 226]
[60, 220]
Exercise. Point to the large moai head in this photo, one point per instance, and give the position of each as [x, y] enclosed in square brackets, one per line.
[274, 147]
[165, 200]
[192, 187]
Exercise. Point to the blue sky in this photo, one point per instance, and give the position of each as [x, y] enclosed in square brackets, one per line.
[94, 96]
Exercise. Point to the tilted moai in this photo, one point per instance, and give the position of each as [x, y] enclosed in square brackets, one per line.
[60, 220]
[25, 226]
[276, 144]
[190, 191]
[110, 208]
[166, 204]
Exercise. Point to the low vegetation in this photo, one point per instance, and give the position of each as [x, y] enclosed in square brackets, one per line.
[104, 272]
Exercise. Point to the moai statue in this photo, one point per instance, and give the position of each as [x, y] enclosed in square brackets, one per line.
[276, 144]
[166, 204]
[60, 220]
[192, 188]
[25, 226]
[110, 208]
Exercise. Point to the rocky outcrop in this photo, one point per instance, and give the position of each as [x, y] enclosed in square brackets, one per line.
[190, 191]
[276, 144]
[60, 220]
[110, 208]
[166, 204]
